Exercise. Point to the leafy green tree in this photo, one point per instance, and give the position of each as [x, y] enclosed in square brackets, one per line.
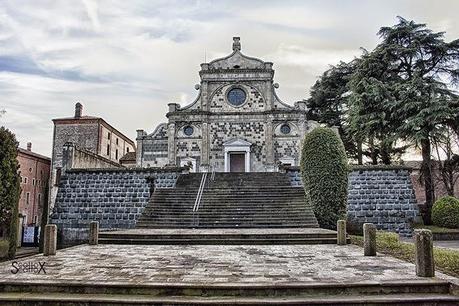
[328, 104]
[9, 186]
[324, 170]
[369, 116]
[421, 67]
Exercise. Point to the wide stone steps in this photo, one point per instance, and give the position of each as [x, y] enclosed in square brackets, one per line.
[239, 200]
[92, 293]
[171, 224]
[220, 238]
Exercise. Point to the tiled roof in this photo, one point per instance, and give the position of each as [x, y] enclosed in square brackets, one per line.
[129, 156]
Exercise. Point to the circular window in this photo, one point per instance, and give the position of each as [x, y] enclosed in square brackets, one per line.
[285, 129]
[188, 130]
[236, 96]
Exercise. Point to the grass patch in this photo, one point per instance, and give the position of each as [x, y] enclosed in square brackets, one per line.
[446, 261]
[437, 229]
[4, 245]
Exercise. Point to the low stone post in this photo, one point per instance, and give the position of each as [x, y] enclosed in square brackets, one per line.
[423, 242]
[50, 240]
[94, 233]
[341, 232]
[369, 239]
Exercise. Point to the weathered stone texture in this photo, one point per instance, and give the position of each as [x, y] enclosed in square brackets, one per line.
[369, 239]
[50, 240]
[341, 232]
[115, 198]
[93, 233]
[424, 259]
[384, 197]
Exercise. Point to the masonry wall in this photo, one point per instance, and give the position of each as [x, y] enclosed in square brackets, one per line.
[83, 159]
[114, 197]
[382, 196]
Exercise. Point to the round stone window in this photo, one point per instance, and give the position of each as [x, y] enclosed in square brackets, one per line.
[285, 128]
[188, 130]
[236, 96]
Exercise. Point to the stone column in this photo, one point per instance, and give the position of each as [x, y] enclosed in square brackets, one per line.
[341, 232]
[94, 233]
[50, 240]
[269, 145]
[369, 239]
[171, 144]
[204, 146]
[139, 151]
[423, 242]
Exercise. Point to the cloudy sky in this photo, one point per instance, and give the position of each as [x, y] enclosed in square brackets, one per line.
[125, 60]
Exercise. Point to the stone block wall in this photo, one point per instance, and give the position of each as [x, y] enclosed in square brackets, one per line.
[380, 195]
[114, 197]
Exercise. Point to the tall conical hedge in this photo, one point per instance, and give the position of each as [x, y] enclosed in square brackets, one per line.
[324, 170]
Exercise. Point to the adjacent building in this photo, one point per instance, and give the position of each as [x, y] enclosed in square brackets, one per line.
[34, 171]
[91, 136]
[237, 123]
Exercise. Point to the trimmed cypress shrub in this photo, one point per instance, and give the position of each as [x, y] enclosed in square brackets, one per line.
[445, 212]
[9, 187]
[324, 170]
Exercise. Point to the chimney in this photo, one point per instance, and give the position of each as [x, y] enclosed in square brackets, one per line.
[78, 110]
[29, 146]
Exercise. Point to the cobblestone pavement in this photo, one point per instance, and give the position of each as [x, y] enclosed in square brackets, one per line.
[214, 264]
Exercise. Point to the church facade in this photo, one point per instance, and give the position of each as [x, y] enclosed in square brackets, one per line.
[237, 123]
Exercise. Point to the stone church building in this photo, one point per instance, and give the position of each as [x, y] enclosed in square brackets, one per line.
[237, 123]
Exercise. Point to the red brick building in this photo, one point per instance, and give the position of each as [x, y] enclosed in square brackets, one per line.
[440, 189]
[34, 170]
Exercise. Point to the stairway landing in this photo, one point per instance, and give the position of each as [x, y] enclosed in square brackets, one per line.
[220, 236]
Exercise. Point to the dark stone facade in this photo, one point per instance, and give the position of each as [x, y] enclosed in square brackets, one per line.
[383, 196]
[114, 197]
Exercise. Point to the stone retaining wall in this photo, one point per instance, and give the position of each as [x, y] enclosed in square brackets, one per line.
[114, 197]
[380, 195]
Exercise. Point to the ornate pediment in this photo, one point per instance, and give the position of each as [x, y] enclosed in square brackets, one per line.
[237, 60]
[237, 142]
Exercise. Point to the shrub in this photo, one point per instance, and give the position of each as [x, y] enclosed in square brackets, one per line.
[4, 246]
[445, 212]
[324, 170]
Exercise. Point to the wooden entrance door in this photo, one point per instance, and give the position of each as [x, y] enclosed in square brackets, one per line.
[237, 162]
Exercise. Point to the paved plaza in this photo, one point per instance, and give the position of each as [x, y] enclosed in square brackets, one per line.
[215, 264]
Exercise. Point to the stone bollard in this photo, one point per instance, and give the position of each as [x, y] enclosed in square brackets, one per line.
[341, 232]
[50, 240]
[369, 239]
[423, 242]
[94, 233]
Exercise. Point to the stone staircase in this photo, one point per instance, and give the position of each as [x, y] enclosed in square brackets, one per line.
[229, 200]
[428, 292]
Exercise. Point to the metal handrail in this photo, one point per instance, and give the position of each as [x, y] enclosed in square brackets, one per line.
[197, 202]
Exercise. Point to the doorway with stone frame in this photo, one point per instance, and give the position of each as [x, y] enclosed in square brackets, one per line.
[237, 155]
